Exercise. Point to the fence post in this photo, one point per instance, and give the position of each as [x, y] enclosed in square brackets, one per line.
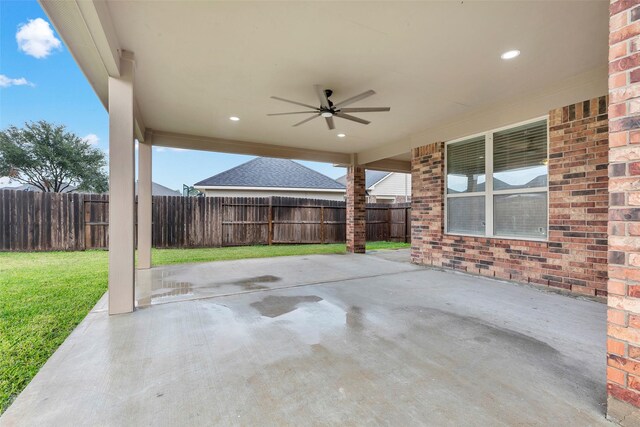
[388, 224]
[270, 227]
[406, 225]
[218, 207]
[87, 218]
[322, 224]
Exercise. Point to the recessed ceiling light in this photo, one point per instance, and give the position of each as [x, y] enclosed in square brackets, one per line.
[510, 54]
[234, 118]
[341, 135]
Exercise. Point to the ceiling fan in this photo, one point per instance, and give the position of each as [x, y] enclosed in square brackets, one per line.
[329, 110]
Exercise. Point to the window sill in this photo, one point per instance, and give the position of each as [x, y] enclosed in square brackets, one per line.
[479, 236]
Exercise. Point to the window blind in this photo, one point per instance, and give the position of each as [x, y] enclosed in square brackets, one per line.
[519, 157]
[466, 215]
[466, 166]
[520, 215]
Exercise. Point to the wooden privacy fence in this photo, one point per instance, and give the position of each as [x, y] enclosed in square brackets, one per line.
[45, 221]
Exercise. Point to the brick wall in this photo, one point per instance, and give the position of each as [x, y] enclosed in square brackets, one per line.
[575, 256]
[623, 344]
[356, 209]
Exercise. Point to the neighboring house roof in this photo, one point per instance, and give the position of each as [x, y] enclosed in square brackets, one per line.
[160, 190]
[271, 173]
[156, 189]
[7, 182]
[371, 178]
[29, 187]
[539, 181]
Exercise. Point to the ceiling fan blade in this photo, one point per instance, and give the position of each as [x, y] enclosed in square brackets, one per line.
[365, 109]
[352, 118]
[294, 102]
[324, 101]
[356, 98]
[306, 120]
[294, 112]
[330, 124]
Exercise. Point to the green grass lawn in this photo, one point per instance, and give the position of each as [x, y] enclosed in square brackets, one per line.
[44, 295]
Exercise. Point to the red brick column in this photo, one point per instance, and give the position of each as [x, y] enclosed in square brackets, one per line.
[356, 209]
[427, 203]
[623, 344]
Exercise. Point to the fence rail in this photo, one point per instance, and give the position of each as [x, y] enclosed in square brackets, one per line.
[32, 221]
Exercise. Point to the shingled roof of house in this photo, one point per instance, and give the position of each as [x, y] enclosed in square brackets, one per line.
[272, 173]
[371, 178]
[160, 190]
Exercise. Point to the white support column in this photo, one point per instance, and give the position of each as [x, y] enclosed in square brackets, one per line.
[144, 202]
[121, 190]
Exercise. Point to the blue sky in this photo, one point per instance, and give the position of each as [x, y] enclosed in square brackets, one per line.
[39, 80]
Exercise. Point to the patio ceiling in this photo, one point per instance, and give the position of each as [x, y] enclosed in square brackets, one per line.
[436, 64]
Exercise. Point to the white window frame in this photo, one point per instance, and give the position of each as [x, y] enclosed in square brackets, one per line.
[489, 192]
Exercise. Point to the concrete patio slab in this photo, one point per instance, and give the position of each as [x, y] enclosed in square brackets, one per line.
[391, 344]
[183, 282]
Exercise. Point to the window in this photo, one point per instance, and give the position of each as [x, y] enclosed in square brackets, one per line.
[466, 178]
[497, 183]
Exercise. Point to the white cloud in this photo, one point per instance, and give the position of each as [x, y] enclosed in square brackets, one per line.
[92, 139]
[8, 81]
[36, 38]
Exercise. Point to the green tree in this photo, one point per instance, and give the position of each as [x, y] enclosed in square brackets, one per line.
[52, 159]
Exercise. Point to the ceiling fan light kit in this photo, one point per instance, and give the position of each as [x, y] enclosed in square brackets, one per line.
[329, 110]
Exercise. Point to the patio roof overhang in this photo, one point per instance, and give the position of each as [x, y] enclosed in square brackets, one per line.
[172, 74]
[436, 64]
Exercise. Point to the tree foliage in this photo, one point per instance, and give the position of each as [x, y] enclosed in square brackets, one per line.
[51, 158]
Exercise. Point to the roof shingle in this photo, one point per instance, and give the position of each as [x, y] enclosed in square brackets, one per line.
[268, 172]
[371, 177]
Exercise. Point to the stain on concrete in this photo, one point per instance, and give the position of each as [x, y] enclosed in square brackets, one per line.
[252, 283]
[537, 354]
[274, 306]
[472, 328]
[355, 318]
[167, 288]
